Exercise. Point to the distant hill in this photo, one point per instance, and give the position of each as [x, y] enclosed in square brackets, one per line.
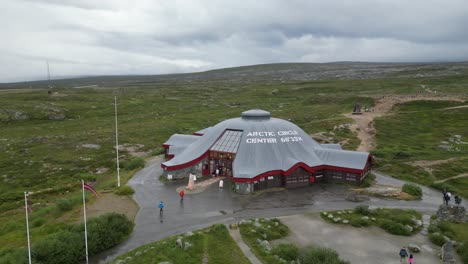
[277, 72]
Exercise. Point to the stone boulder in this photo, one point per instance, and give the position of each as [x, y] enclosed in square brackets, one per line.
[413, 248]
[452, 213]
[417, 223]
[187, 245]
[448, 253]
[179, 242]
[265, 245]
[12, 115]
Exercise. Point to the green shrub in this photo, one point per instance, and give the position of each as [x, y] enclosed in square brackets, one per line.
[437, 239]
[395, 228]
[286, 251]
[320, 255]
[362, 209]
[106, 231]
[368, 180]
[58, 248]
[67, 245]
[412, 189]
[358, 222]
[463, 251]
[133, 163]
[445, 229]
[125, 190]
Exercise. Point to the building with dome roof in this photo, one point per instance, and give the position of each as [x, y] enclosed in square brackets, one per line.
[258, 152]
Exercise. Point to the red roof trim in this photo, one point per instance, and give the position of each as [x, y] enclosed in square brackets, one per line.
[297, 165]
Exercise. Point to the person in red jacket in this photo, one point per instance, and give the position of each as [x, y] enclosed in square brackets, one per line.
[182, 193]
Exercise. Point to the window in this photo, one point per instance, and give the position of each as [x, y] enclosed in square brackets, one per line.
[336, 174]
[350, 176]
[229, 142]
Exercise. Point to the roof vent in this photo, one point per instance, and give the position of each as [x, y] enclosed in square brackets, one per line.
[256, 114]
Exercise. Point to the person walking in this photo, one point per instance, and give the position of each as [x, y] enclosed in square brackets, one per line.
[182, 193]
[403, 255]
[411, 259]
[458, 200]
[446, 199]
[161, 207]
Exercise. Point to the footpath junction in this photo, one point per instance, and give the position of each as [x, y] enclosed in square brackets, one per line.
[259, 152]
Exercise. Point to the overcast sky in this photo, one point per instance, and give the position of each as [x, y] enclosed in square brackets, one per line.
[109, 37]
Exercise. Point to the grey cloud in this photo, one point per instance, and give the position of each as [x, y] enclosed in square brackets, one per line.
[149, 37]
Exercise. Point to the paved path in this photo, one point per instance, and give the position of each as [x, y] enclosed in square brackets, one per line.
[369, 245]
[224, 206]
[235, 234]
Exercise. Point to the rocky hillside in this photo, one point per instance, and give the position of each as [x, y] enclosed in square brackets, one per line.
[280, 72]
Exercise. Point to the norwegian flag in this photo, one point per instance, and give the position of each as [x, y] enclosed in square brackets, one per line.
[89, 187]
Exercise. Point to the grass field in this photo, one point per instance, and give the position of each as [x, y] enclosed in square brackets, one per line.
[47, 157]
[414, 132]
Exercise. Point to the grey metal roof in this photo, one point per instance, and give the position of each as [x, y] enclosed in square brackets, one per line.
[331, 146]
[203, 131]
[181, 139]
[268, 144]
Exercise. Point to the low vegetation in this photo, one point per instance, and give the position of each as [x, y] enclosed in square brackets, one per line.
[424, 130]
[51, 141]
[412, 189]
[368, 181]
[321, 255]
[133, 163]
[214, 244]
[125, 190]
[442, 231]
[66, 245]
[257, 233]
[394, 221]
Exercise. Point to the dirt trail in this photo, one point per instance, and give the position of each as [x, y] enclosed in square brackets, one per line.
[454, 177]
[364, 123]
[428, 164]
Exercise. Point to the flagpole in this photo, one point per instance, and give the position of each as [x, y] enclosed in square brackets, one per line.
[27, 224]
[117, 143]
[84, 212]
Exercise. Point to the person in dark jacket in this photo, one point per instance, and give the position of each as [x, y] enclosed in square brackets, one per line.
[403, 255]
[458, 200]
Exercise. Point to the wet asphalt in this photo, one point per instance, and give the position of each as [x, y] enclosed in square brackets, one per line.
[224, 206]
